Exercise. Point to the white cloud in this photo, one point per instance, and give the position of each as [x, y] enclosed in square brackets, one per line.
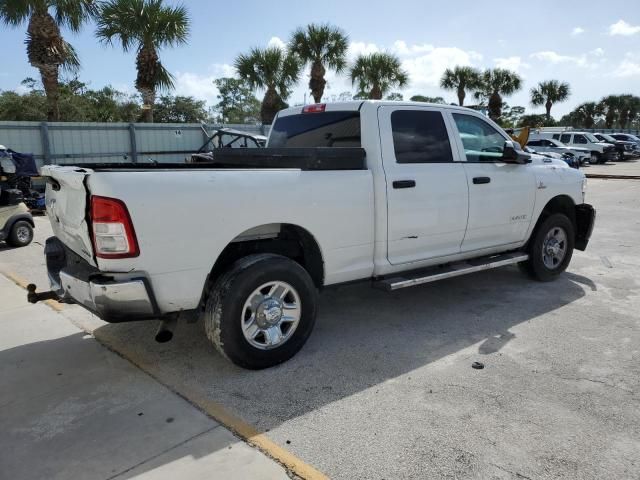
[361, 48]
[628, 67]
[577, 31]
[592, 59]
[277, 42]
[514, 63]
[201, 86]
[623, 28]
[426, 63]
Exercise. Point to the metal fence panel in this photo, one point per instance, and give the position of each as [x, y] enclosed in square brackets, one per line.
[85, 142]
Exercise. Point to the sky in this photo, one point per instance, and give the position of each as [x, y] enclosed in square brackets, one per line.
[593, 48]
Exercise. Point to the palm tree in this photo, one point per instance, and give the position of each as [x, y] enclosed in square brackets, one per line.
[422, 98]
[378, 73]
[587, 113]
[460, 79]
[629, 109]
[549, 92]
[494, 84]
[46, 48]
[147, 26]
[272, 69]
[610, 107]
[322, 46]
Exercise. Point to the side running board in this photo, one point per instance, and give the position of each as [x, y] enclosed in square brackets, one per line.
[452, 270]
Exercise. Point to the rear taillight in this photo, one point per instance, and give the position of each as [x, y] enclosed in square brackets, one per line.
[314, 108]
[113, 233]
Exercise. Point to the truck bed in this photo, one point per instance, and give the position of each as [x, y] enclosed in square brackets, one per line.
[307, 159]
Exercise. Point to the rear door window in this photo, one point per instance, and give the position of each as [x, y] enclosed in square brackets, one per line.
[325, 129]
[420, 136]
[565, 138]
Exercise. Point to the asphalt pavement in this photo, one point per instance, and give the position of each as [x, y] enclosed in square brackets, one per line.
[385, 386]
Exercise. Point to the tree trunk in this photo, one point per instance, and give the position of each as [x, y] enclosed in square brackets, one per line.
[375, 93]
[548, 106]
[495, 107]
[47, 50]
[461, 95]
[49, 77]
[317, 81]
[147, 65]
[270, 106]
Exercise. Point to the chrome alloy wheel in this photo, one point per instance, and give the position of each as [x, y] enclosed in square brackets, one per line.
[554, 248]
[270, 315]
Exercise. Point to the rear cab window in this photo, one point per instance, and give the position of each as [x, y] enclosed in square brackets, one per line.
[321, 129]
[420, 136]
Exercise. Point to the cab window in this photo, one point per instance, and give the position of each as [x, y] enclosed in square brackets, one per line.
[482, 142]
[420, 136]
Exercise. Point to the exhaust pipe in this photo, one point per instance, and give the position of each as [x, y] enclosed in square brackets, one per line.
[165, 330]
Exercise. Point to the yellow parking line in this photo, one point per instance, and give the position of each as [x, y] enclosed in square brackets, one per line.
[215, 410]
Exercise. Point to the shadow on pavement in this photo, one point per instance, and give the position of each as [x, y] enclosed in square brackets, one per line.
[362, 338]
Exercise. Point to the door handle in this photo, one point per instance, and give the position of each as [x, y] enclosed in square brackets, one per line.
[481, 180]
[404, 183]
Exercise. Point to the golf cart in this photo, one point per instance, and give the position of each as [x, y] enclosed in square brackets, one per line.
[16, 222]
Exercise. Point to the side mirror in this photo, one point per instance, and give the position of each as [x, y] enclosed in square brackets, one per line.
[511, 154]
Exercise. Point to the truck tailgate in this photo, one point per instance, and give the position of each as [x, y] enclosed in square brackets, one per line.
[66, 198]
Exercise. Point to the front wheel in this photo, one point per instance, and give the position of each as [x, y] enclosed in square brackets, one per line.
[550, 248]
[261, 311]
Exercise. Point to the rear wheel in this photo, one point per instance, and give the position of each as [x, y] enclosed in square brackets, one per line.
[261, 312]
[550, 249]
[21, 234]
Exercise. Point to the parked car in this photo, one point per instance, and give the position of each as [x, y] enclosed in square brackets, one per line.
[627, 137]
[550, 145]
[394, 193]
[625, 149]
[568, 158]
[600, 152]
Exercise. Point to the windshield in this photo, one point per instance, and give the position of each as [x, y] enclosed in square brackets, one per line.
[591, 137]
[326, 129]
[608, 138]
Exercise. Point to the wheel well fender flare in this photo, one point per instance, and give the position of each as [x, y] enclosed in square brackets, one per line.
[559, 204]
[292, 241]
[16, 218]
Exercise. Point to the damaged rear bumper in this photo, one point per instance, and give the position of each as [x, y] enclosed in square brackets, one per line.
[114, 297]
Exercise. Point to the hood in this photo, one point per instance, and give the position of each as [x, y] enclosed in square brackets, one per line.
[538, 159]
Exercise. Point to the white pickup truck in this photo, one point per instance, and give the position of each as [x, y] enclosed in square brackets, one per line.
[397, 193]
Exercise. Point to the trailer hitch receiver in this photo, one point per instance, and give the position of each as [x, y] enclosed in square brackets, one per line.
[33, 297]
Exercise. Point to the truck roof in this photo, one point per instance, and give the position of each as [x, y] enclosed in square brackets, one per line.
[357, 105]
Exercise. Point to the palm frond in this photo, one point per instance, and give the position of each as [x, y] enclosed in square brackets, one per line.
[321, 43]
[15, 12]
[73, 13]
[71, 63]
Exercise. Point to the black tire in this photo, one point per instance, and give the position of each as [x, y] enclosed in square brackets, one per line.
[535, 266]
[21, 234]
[225, 307]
